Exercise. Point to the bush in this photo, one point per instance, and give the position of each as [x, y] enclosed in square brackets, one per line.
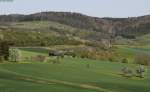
[112, 59]
[142, 59]
[124, 60]
[40, 58]
[127, 72]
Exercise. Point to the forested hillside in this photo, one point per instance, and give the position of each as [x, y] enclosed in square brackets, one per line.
[53, 28]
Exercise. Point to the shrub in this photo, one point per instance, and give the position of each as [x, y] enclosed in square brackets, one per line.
[124, 60]
[112, 59]
[40, 58]
[127, 72]
[142, 58]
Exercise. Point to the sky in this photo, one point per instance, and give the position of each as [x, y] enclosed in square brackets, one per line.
[96, 8]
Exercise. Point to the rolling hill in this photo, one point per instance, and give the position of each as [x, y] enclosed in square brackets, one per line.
[101, 48]
[133, 24]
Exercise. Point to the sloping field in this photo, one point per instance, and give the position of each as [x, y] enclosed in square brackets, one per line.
[131, 51]
[70, 75]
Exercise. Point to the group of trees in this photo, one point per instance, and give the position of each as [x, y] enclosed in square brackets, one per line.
[89, 52]
[139, 72]
[34, 38]
[123, 26]
[4, 50]
[68, 18]
[15, 55]
[7, 54]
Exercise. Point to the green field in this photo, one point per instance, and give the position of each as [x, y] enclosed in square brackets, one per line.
[70, 75]
[130, 52]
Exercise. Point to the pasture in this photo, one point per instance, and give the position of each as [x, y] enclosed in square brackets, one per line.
[70, 75]
[130, 52]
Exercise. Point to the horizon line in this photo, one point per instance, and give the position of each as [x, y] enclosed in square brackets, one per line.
[73, 12]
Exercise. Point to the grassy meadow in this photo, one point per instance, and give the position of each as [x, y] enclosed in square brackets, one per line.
[71, 74]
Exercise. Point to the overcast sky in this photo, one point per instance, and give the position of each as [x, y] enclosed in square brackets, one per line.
[97, 8]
